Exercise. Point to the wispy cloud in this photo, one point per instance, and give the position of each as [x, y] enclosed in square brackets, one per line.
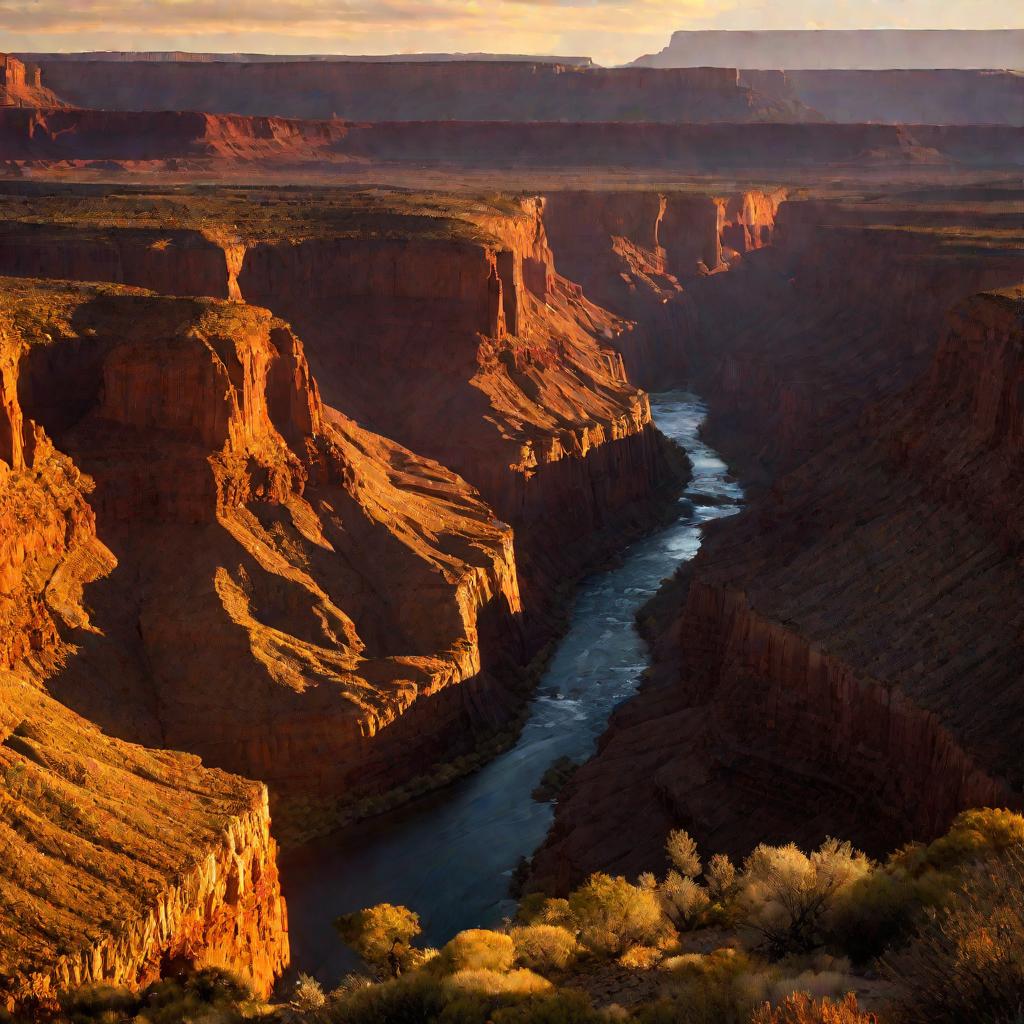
[609, 30]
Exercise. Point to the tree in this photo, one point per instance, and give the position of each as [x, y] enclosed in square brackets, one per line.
[380, 935]
[682, 851]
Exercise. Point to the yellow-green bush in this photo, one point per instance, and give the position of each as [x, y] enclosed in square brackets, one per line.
[544, 947]
[477, 949]
[966, 962]
[612, 915]
[381, 935]
[704, 989]
[641, 958]
[492, 982]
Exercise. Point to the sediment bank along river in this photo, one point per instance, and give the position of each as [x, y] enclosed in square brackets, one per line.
[450, 857]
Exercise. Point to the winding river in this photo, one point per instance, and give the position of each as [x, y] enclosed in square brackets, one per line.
[450, 856]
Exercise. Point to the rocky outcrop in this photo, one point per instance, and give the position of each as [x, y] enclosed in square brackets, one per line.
[21, 85]
[119, 863]
[122, 864]
[634, 251]
[242, 511]
[848, 655]
[419, 90]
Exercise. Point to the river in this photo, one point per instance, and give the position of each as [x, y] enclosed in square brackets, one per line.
[450, 856]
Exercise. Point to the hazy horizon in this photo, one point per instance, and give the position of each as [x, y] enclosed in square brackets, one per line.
[607, 31]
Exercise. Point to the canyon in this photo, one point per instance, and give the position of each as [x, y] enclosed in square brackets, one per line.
[340, 427]
[840, 659]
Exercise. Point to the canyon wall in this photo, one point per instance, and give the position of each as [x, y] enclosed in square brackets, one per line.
[466, 324]
[254, 518]
[119, 862]
[843, 658]
[187, 142]
[844, 307]
[419, 91]
[634, 252]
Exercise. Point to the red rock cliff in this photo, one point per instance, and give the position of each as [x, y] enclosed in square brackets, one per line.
[116, 860]
[245, 515]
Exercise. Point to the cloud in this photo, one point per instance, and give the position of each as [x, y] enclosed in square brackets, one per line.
[610, 30]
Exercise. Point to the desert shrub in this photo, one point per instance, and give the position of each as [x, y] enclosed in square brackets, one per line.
[975, 835]
[477, 950]
[787, 897]
[641, 958]
[682, 852]
[544, 947]
[704, 989]
[308, 997]
[647, 880]
[97, 1002]
[211, 994]
[720, 878]
[966, 962]
[381, 935]
[537, 908]
[881, 910]
[494, 982]
[412, 999]
[612, 915]
[565, 1007]
[801, 1008]
[682, 900]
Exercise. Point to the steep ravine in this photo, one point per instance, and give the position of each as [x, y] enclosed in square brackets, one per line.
[845, 658]
[451, 856]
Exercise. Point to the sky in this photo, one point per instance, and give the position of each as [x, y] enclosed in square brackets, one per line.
[610, 31]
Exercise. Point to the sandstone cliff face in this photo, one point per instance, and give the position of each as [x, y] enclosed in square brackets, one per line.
[21, 85]
[249, 520]
[122, 863]
[52, 141]
[117, 861]
[849, 651]
[845, 306]
[419, 91]
[634, 251]
[462, 322]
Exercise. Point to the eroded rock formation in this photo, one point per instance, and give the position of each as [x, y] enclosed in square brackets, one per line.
[21, 85]
[248, 519]
[634, 251]
[845, 656]
[117, 861]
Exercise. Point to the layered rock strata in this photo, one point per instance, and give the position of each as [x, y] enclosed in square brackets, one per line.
[187, 144]
[472, 348]
[419, 90]
[847, 657]
[282, 587]
[118, 863]
[843, 308]
[633, 252]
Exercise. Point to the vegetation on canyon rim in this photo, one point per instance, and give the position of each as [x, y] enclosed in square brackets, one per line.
[783, 938]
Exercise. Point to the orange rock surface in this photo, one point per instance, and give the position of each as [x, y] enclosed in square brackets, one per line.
[244, 517]
[115, 859]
